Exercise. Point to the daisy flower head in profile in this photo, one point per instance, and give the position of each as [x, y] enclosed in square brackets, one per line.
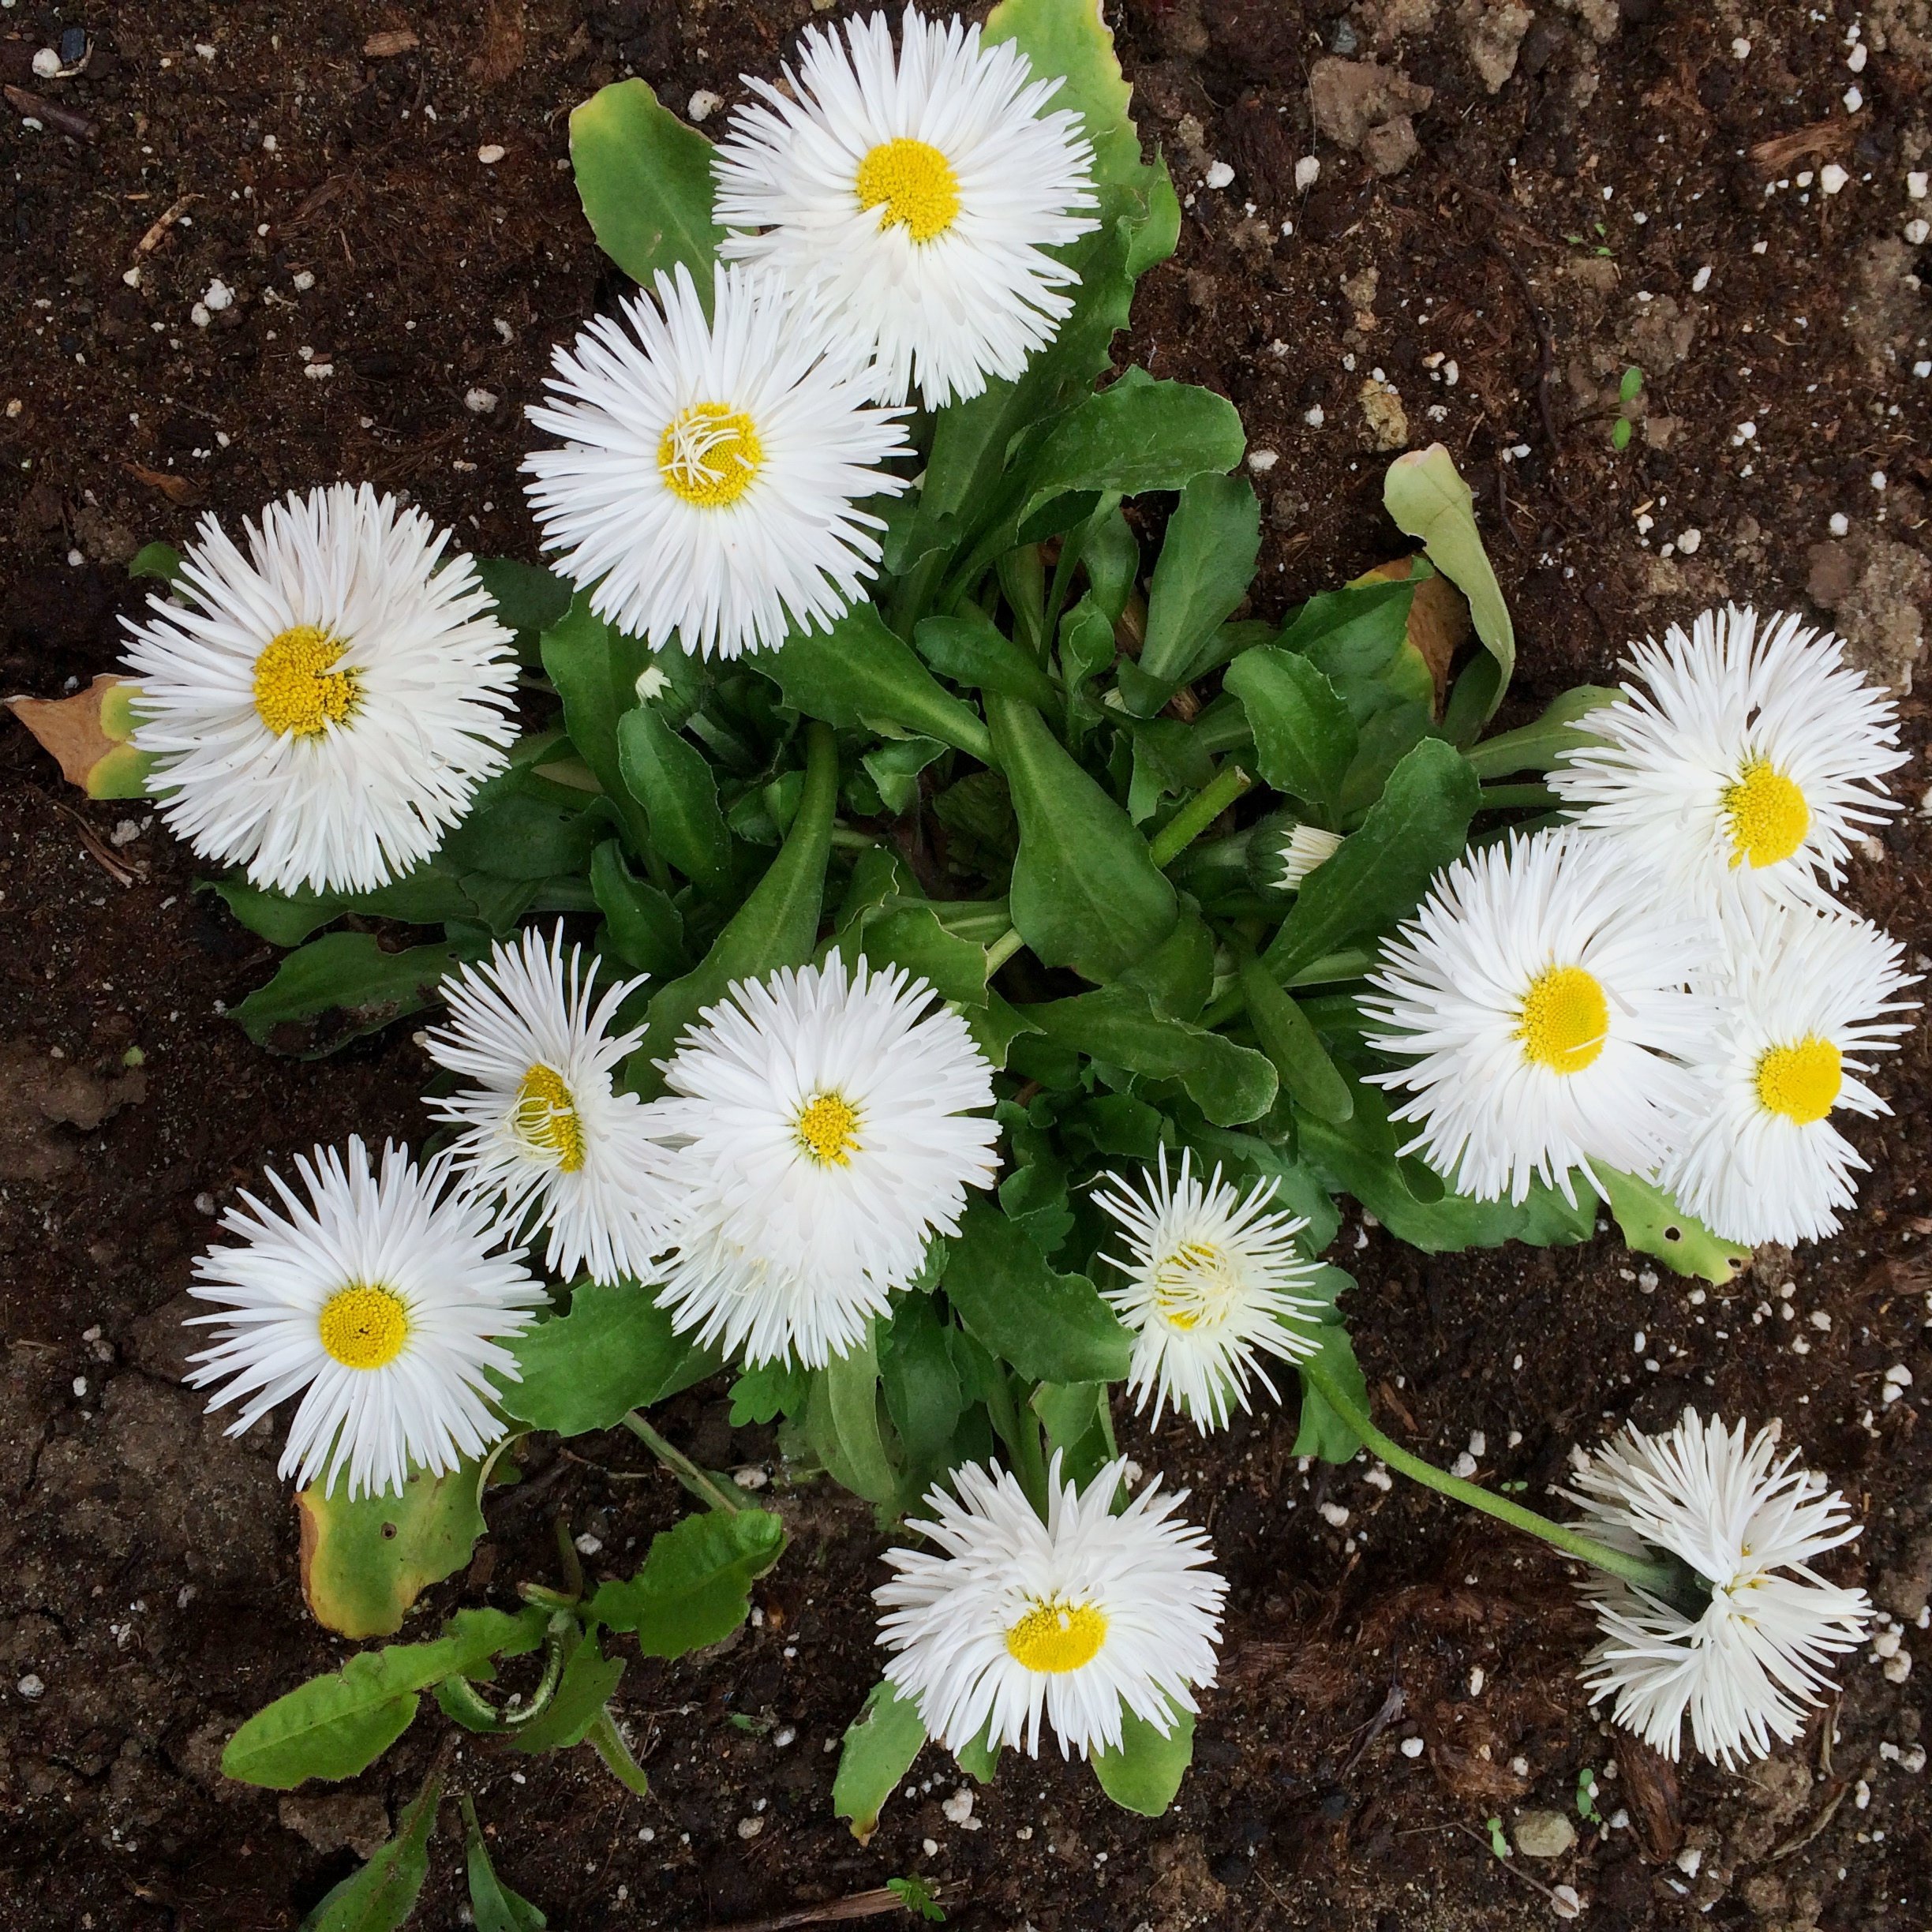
[1077, 1620]
[917, 194]
[1539, 999]
[1210, 1290]
[1745, 1666]
[382, 1301]
[543, 1129]
[322, 708]
[1749, 758]
[1805, 998]
[708, 485]
[828, 1124]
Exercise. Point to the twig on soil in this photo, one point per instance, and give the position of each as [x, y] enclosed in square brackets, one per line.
[1392, 1707]
[1826, 1813]
[50, 113]
[120, 874]
[833, 1912]
[152, 240]
[1509, 1865]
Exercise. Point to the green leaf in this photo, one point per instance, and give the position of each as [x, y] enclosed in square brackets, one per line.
[381, 1896]
[528, 600]
[859, 673]
[776, 926]
[879, 1748]
[911, 935]
[365, 1562]
[595, 670]
[979, 1760]
[493, 1907]
[1321, 1432]
[1146, 1771]
[1631, 385]
[1078, 1426]
[1620, 433]
[1206, 563]
[916, 1896]
[1563, 729]
[894, 766]
[1070, 38]
[606, 1739]
[695, 1587]
[1052, 1327]
[1291, 1041]
[1137, 435]
[1379, 872]
[921, 1384]
[589, 1681]
[337, 988]
[971, 650]
[156, 559]
[1120, 1024]
[1356, 638]
[642, 926]
[512, 832]
[1086, 894]
[332, 1726]
[1427, 498]
[1305, 738]
[672, 780]
[615, 1351]
[842, 1423]
[1653, 1224]
[645, 180]
[771, 1389]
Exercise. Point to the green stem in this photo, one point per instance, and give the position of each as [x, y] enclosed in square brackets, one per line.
[562, 1623]
[1002, 949]
[1663, 1577]
[1198, 814]
[1331, 969]
[849, 838]
[914, 592]
[701, 1483]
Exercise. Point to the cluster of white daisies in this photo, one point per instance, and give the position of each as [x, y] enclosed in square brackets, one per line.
[1665, 985]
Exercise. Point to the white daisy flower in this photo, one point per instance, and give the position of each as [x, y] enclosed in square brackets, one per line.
[1077, 1619]
[1541, 992]
[1210, 1290]
[915, 196]
[1745, 768]
[323, 710]
[1745, 1667]
[379, 1302]
[544, 1127]
[827, 1133]
[708, 483]
[1804, 997]
[1289, 852]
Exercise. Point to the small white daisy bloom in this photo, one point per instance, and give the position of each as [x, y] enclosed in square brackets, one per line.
[1745, 768]
[1210, 1290]
[1076, 1619]
[708, 486]
[1541, 994]
[323, 710]
[1289, 853]
[543, 1127]
[1745, 1669]
[379, 1302]
[1804, 997]
[915, 196]
[828, 1131]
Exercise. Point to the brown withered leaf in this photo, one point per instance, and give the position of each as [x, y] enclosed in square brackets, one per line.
[1440, 623]
[1823, 140]
[178, 489]
[391, 41]
[70, 728]
[1649, 1787]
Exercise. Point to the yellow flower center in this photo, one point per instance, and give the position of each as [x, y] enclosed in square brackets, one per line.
[1768, 817]
[1055, 1637]
[1193, 1285]
[1801, 1081]
[828, 1129]
[364, 1327]
[544, 1118]
[1565, 1019]
[295, 690]
[916, 183]
[709, 454]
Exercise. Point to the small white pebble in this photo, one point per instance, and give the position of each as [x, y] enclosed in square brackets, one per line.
[1918, 184]
[1308, 172]
[1379, 1478]
[1451, 374]
[491, 153]
[1639, 1343]
[1464, 1465]
[1218, 174]
[1898, 1372]
[1412, 1747]
[204, 1204]
[1315, 416]
[1262, 461]
[303, 280]
[1917, 231]
[31, 1687]
[268, 144]
[1887, 1644]
[1700, 281]
[703, 105]
[930, 1847]
[1691, 1861]
[958, 1809]
[1913, 1760]
[588, 1544]
[784, 1735]
[1841, 523]
[1898, 1668]
[1566, 1902]
[1832, 177]
[1477, 1680]
[218, 295]
[1740, 48]
[1688, 542]
[1519, 1766]
[1856, 59]
[480, 402]
[1819, 1319]
[750, 1476]
[1853, 100]
[1861, 1795]
[46, 63]
[198, 315]
[749, 1827]
[1335, 1515]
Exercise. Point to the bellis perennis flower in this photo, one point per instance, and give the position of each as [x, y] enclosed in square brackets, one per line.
[915, 196]
[1744, 1670]
[708, 486]
[1077, 1620]
[1540, 994]
[322, 709]
[828, 1128]
[379, 1302]
[1743, 768]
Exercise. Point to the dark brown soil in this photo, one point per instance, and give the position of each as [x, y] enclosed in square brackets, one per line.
[147, 1563]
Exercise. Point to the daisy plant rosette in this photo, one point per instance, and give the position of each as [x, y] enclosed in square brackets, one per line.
[943, 972]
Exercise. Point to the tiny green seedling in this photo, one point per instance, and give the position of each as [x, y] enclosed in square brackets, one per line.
[917, 1897]
[1498, 1841]
[1627, 392]
[1586, 1796]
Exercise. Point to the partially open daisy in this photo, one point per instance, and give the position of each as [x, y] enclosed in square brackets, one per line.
[1804, 997]
[828, 1130]
[916, 196]
[1744, 769]
[708, 484]
[1210, 1290]
[1540, 996]
[1745, 1668]
[380, 1302]
[1077, 1619]
[543, 1130]
[322, 709]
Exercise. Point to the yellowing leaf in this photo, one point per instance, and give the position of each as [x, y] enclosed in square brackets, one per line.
[88, 735]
